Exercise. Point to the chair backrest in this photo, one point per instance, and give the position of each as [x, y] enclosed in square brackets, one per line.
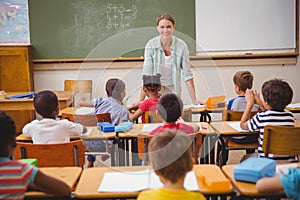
[53, 155]
[281, 140]
[143, 141]
[87, 120]
[80, 88]
[152, 117]
[84, 86]
[187, 115]
[230, 115]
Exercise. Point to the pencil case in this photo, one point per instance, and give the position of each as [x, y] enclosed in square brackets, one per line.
[106, 127]
[215, 180]
[253, 169]
[124, 127]
[28, 95]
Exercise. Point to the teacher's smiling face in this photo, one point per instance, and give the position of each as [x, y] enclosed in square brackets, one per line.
[165, 28]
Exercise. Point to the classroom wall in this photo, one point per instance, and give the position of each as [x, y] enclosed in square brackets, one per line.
[208, 80]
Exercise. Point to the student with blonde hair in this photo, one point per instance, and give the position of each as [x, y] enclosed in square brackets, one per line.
[171, 158]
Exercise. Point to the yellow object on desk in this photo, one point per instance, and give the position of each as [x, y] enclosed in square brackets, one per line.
[213, 178]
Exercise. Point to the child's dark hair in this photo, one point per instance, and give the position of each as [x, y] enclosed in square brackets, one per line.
[7, 134]
[170, 154]
[46, 103]
[277, 93]
[151, 82]
[243, 79]
[114, 88]
[170, 107]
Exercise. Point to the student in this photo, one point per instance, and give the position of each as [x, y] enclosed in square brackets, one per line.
[116, 91]
[242, 80]
[171, 159]
[151, 86]
[170, 110]
[277, 94]
[16, 176]
[290, 182]
[48, 130]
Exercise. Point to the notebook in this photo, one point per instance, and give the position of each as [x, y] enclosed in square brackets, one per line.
[138, 181]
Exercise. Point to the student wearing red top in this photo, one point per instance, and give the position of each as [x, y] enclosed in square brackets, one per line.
[170, 110]
[151, 86]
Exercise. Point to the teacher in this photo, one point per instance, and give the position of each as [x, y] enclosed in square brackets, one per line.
[168, 56]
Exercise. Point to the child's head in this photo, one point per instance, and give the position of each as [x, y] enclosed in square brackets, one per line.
[46, 104]
[115, 88]
[7, 135]
[243, 80]
[170, 107]
[277, 94]
[151, 83]
[170, 154]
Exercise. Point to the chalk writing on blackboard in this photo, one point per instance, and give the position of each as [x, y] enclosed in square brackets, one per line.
[119, 16]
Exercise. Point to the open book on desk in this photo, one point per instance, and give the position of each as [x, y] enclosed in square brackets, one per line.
[138, 181]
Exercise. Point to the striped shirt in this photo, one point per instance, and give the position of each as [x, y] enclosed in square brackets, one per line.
[15, 177]
[271, 117]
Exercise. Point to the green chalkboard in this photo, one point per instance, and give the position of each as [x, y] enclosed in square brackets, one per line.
[66, 29]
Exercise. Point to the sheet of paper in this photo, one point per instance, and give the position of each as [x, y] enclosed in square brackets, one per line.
[284, 168]
[294, 105]
[191, 106]
[125, 181]
[84, 110]
[236, 126]
[88, 132]
[150, 127]
[137, 181]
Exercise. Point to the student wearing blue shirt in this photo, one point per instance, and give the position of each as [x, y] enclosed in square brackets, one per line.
[290, 182]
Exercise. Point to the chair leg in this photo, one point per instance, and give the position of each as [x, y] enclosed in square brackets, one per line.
[222, 153]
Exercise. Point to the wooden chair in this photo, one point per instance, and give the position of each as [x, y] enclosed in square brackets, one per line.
[53, 155]
[281, 140]
[226, 144]
[144, 139]
[90, 120]
[152, 117]
[79, 88]
[187, 115]
[87, 120]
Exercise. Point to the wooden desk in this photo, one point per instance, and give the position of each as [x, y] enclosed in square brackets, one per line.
[204, 112]
[245, 188]
[91, 178]
[69, 175]
[293, 110]
[208, 134]
[224, 129]
[64, 99]
[96, 134]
